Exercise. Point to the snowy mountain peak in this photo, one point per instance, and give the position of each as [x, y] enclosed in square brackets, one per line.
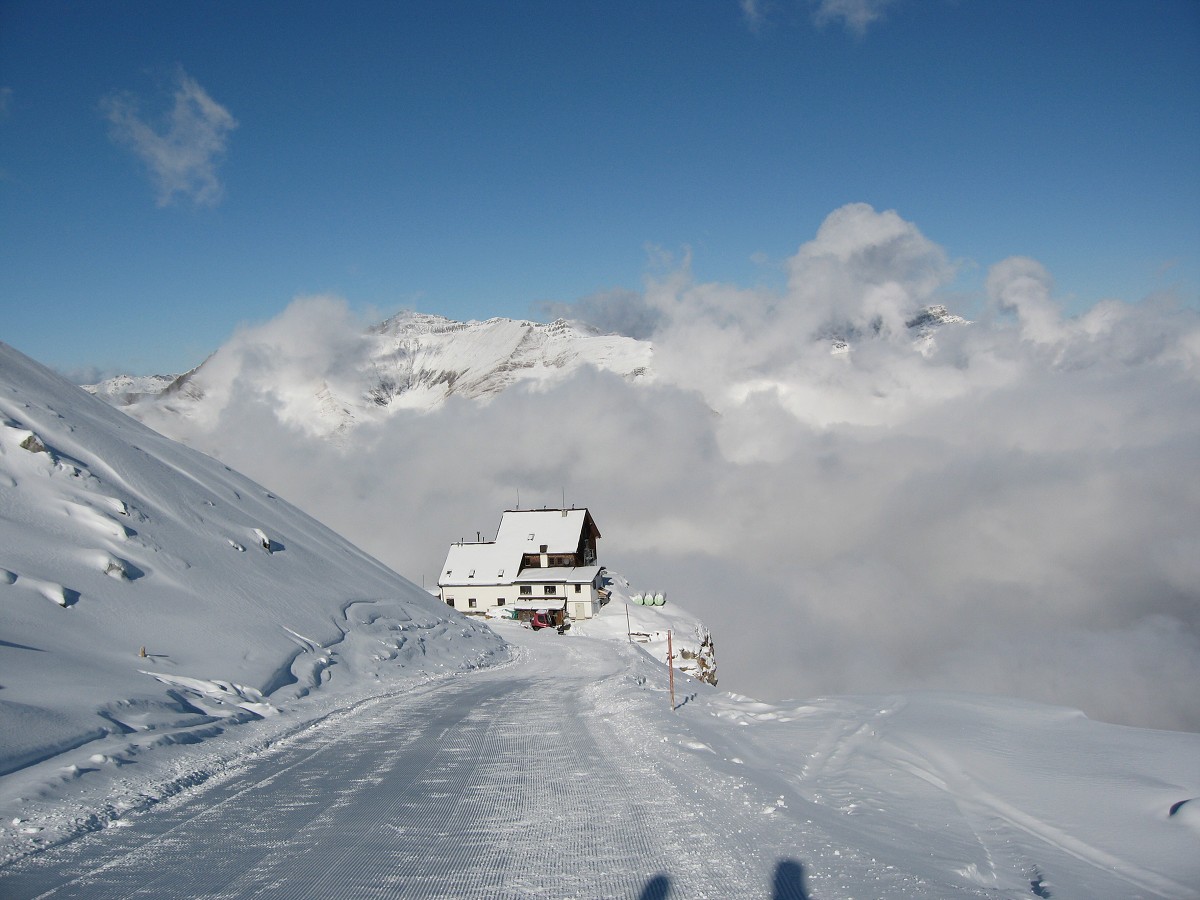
[921, 329]
[411, 361]
[932, 317]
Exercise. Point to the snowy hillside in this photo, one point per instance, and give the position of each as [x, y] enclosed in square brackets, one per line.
[412, 361]
[150, 594]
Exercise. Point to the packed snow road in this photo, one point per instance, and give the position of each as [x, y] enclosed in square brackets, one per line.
[548, 777]
[565, 773]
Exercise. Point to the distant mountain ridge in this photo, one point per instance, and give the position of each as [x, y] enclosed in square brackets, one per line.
[418, 361]
[412, 361]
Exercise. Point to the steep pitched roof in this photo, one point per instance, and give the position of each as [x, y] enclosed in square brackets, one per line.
[521, 531]
[559, 529]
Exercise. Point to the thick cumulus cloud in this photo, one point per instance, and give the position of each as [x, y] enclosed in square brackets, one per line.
[1010, 508]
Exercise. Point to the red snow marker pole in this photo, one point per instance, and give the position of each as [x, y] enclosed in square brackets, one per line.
[671, 667]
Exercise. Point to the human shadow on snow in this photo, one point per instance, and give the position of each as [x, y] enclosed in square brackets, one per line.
[657, 888]
[787, 884]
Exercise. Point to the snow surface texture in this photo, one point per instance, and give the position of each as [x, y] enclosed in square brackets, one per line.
[566, 774]
[151, 596]
[850, 485]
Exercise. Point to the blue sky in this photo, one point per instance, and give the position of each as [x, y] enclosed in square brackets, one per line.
[477, 158]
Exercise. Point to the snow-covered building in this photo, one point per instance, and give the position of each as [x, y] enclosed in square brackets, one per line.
[541, 559]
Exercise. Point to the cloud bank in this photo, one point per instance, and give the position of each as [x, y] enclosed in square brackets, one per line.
[1010, 507]
[183, 153]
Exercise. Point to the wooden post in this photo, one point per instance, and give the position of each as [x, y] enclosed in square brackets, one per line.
[628, 630]
[671, 668]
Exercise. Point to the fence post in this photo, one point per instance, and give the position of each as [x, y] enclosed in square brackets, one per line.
[671, 667]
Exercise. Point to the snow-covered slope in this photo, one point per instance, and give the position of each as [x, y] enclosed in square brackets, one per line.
[412, 361]
[149, 593]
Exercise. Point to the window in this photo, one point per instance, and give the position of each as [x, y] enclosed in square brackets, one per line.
[551, 589]
[526, 589]
[471, 603]
[500, 574]
[579, 588]
[447, 573]
[531, 537]
[472, 575]
[544, 548]
[449, 601]
[500, 602]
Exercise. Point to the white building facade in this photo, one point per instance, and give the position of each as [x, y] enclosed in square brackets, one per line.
[541, 560]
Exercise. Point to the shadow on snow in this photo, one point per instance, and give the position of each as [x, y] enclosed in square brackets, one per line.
[787, 884]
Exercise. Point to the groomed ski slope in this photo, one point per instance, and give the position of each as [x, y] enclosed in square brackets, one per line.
[566, 774]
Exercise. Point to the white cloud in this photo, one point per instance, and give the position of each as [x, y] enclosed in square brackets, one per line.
[1014, 511]
[856, 15]
[754, 13]
[183, 153]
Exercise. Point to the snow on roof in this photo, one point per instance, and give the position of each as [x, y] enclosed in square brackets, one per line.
[521, 531]
[546, 603]
[560, 574]
[558, 529]
[483, 563]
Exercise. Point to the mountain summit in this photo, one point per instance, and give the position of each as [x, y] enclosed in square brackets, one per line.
[412, 361]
